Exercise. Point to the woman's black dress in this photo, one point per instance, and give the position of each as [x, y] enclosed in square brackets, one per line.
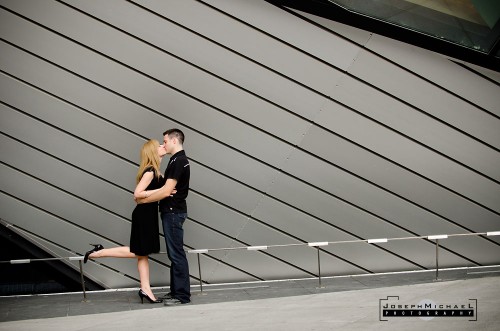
[144, 236]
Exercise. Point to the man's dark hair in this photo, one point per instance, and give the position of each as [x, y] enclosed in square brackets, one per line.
[175, 133]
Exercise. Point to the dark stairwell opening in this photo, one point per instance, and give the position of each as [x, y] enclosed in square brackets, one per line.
[37, 277]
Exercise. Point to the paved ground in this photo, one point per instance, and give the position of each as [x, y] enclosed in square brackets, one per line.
[347, 303]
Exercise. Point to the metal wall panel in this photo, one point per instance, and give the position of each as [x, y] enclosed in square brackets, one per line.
[149, 92]
[310, 230]
[427, 98]
[64, 146]
[362, 194]
[221, 188]
[336, 51]
[245, 263]
[69, 208]
[398, 180]
[356, 219]
[69, 87]
[67, 178]
[355, 35]
[221, 272]
[303, 257]
[218, 61]
[215, 216]
[358, 224]
[72, 119]
[371, 106]
[430, 165]
[439, 71]
[327, 133]
[494, 76]
[262, 265]
[129, 115]
[215, 268]
[248, 41]
[174, 71]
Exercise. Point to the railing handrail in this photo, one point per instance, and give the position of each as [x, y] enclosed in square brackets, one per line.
[264, 247]
[369, 241]
[316, 245]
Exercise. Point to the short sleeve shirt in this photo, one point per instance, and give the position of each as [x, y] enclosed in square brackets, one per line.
[178, 169]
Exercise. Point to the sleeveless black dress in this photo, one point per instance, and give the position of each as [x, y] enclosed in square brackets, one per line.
[144, 236]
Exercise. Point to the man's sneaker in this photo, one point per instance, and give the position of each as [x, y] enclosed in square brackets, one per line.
[174, 302]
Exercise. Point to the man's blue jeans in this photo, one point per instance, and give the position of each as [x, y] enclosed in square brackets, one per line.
[179, 269]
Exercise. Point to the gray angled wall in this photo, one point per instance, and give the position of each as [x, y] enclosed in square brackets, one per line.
[298, 130]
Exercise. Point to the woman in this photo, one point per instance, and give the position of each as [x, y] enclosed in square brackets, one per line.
[144, 236]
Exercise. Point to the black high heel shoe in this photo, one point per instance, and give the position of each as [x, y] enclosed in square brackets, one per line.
[143, 295]
[96, 248]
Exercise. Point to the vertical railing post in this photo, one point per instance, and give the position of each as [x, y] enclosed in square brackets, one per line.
[317, 245]
[319, 268]
[198, 253]
[436, 238]
[199, 273]
[82, 279]
[437, 259]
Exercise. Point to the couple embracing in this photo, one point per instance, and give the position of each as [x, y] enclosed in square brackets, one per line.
[171, 190]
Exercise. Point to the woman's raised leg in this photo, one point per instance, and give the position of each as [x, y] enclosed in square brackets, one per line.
[123, 251]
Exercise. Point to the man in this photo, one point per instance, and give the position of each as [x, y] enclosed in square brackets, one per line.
[173, 211]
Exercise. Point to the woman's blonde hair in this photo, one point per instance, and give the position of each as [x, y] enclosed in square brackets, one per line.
[149, 158]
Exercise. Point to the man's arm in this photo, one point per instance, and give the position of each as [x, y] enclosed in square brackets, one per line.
[157, 195]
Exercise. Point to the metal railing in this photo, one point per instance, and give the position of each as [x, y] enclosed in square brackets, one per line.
[69, 258]
[315, 245]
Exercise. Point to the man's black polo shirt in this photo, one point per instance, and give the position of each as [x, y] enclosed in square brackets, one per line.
[178, 169]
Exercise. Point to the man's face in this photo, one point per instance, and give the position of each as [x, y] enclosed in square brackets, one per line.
[167, 144]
